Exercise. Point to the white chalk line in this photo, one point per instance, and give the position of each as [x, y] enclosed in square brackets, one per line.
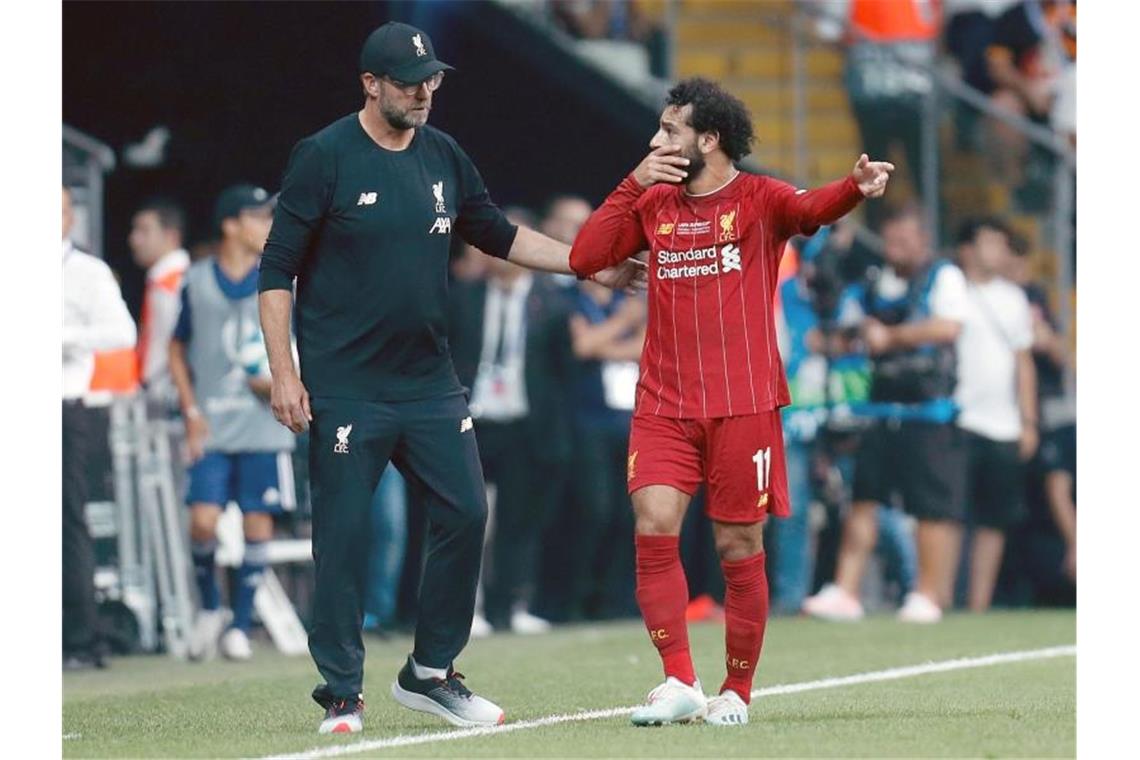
[889, 674]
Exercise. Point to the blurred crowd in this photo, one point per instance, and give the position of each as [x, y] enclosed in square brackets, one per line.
[1019, 54]
[930, 443]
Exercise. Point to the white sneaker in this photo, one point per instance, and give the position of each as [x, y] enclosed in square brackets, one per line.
[671, 702]
[480, 628]
[727, 709]
[447, 697]
[918, 608]
[235, 645]
[525, 623]
[208, 626]
[834, 604]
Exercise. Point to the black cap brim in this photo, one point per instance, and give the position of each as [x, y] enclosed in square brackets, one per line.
[418, 71]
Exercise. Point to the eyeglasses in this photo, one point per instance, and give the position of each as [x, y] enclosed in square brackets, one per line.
[409, 88]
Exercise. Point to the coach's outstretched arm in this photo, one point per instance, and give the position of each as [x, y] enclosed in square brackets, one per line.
[534, 250]
[802, 212]
[613, 232]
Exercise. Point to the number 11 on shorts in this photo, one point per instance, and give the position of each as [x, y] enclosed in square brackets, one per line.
[763, 460]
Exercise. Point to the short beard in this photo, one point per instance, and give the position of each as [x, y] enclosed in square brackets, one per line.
[696, 164]
[401, 120]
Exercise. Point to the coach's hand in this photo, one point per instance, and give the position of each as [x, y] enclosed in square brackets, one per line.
[661, 165]
[630, 275]
[872, 176]
[290, 402]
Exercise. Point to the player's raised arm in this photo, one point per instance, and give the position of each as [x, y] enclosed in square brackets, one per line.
[804, 211]
[613, 232]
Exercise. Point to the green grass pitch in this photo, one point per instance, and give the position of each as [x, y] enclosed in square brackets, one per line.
[155, 707]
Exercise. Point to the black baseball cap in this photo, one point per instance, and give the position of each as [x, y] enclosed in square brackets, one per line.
[238, 198]
[402, 52]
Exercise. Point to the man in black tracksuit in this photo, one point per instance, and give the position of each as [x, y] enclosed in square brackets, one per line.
[364, 223]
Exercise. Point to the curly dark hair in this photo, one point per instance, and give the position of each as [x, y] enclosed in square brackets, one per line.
[715, 110]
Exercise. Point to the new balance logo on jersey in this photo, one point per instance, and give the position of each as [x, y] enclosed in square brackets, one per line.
[366, 199]
[442, 226]
[730, 258]
[342, 434]
[466, 425]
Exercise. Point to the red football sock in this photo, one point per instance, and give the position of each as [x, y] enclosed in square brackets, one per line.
[745, 614]
[662, 593]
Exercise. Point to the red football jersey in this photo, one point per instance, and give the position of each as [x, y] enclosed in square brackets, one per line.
[710, 347]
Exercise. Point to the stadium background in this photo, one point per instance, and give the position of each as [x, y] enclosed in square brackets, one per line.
[520, 97]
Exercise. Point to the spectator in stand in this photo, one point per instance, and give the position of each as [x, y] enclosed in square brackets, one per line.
[890, 43]
[157, 231]
[969, 31]
[912, 315]
[510, 346]
[607, 331]
[94, 319]
[997, 399]
[1033, 43]
[627, 20]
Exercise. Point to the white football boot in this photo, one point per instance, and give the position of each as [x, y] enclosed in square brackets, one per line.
[671, 702]
[727, 709]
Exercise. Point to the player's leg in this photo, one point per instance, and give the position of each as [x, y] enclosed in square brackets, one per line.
[747, 481]
[664, 469]
[439, 459]
[208, 492]
[349, 445]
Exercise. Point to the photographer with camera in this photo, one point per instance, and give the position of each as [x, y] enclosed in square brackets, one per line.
[827, 376]
[912, 313]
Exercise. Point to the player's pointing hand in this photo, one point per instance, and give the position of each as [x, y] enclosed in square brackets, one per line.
[662, 165]
[872, 176]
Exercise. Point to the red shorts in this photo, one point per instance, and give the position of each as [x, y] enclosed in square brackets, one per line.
[740, 458]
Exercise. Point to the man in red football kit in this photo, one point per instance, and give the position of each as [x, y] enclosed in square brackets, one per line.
[711, 379]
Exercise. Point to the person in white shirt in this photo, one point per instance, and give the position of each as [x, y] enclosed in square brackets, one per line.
[94, 319]
[996, 396]
[157, 231]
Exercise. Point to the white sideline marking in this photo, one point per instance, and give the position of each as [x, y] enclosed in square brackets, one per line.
[889, 674]
[69, 737]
